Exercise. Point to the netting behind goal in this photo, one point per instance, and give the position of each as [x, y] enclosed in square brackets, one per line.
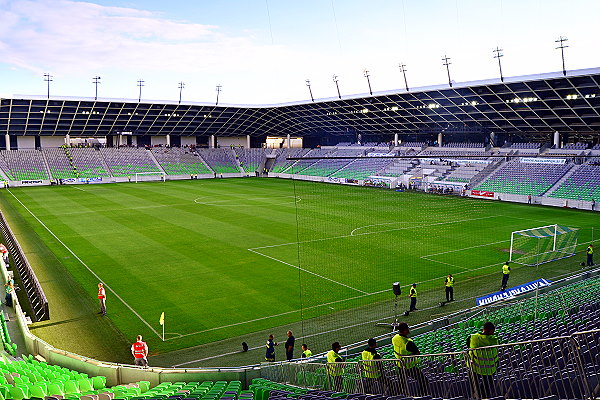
[544, 244]
[149, 176]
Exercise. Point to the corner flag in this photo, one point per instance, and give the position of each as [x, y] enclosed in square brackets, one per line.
[162, 322]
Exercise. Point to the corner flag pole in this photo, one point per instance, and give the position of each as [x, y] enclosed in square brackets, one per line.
[162, 322]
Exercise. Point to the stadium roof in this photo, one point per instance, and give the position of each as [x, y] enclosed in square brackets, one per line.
[527, 104]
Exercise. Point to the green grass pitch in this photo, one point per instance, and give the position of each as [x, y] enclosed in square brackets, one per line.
[227, 257]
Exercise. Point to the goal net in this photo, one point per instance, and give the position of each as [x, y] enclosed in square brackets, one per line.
[150, 176]
[543, 244]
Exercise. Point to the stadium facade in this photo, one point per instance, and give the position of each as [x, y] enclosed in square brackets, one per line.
[524, 108]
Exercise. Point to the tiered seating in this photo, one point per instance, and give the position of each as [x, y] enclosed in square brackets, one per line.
[596, 147]
[7, 343]
[299, 166]
[250, 159]
[583, 184]
[24, 164]
[128, 161]
[207, 390]
[344, 144]
[465, 145]
[363, 168]
[525, 146]
[524, 178]
[413, 144]
[575, 146]
[88, 162]
[59, 164]
[399, 167]
[176, 161]
[281, 163]
[453, 153]
[221, 161]
[464, 173]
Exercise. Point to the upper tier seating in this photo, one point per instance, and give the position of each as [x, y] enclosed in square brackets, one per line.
[524, 178]
[24, 164]
[583, 184]
[575, 146]
[465, 145]
[413, 144]
[452, 153]
[596, 147]
[59, 164]
[250, 159]
[88, 162]
[525, 146]
[298, 166]
[363, 168]
[221, 161]
[464, 173]
[128, 161]
[176, 161]
[399, 167]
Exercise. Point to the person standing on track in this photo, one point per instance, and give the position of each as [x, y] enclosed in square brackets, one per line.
[449, 283]
[413, 297]
[505, 275]
[270, 353]
[289, 346]
[140, 352]
[102, 298]
[590, 255]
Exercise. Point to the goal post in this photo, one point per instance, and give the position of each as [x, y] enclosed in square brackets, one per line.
[543, 244]
[150, 176]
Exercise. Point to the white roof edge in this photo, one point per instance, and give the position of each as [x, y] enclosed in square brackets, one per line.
[456, 85]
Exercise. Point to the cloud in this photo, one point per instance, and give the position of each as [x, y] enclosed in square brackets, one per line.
[67, 37]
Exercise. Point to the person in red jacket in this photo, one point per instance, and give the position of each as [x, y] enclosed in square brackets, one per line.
[140, 352]
[102, 298]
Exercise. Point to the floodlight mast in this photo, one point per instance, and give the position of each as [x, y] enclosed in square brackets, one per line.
[337, 85]
[447, 63]
[140, 83]
[310, 90]
[403, 70]
[96, 81]
[562, 48]
[498, 54]
[219, 88]
[48, 78]
[366, 75]
[181, 86]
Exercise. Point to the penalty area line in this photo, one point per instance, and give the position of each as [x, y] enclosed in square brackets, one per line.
[86, 266]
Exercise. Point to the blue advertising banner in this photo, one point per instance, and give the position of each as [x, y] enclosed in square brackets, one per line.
[512, 292]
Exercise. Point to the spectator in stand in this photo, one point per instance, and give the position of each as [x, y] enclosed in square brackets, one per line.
[289, 346]
[10, 289]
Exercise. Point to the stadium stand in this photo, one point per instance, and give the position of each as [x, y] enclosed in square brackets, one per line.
[281, 161]
[596, 147]
[465, 145]
[299, 166]
[413, 144]
[24, 164]
[128, 161]
[525, 146]
[517, 177]
[583, 184]
[250, 159]
[464, 173]
[88, 162]
[575, 146]
[399, 167]
[58, 163]
[176, 161]
[221, 161]
[363, 168]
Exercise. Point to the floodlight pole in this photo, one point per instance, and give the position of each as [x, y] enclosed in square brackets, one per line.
[96, 80]
[337, 85]
[366, 75]
[140, 83]
[403, 70]
[498, 54]
[447, 63]
[562, 47]
[181, 86]
[310, 90]
[219, 88]
[48, 78]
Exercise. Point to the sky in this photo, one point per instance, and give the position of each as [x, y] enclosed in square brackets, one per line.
[262, 51]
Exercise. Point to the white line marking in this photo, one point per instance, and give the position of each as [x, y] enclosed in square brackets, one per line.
[295, 199]
[85, 265]
[465, 248]
[416, 226]
[308, 272]
[78, 188]
[445, 263]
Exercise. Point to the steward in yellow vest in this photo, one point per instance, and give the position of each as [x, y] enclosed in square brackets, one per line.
[306, 353]
[449, 283]
[412, 293]
[403, 346]
[335, 370]
[505, 275]
[590, 255]
[483, 362]
[371, 370]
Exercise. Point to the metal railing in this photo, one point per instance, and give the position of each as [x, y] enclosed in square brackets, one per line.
[31, 285]
[567, 367]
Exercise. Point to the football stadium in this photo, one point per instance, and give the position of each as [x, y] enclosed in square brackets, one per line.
[430, 243]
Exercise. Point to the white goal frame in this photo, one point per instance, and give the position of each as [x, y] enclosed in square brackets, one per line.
[163, 176]
[554, 240]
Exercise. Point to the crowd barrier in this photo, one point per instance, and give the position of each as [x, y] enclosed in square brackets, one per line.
[567, 367]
